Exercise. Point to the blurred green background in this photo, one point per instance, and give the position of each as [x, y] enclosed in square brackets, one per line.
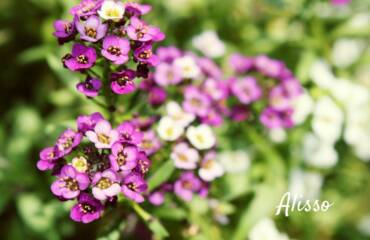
[38, 99]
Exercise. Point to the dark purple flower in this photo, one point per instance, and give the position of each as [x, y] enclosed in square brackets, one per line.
[86, 8]
[129, 133]
[246, 89]
[87, 209]
[48, 158]
[136, 9]
[123, 157]
[144, 54]
[116, 49]
[168, 54]
[143, 163]
[196, 102]
[88, 122]
[68, 140]
[122, 82]
[82, 57]
[106, 185]
[186, 185]
[64, 30]
[133, 185]
[138, 30]
[157, 96]
[70, 183]
[91, 30]
[167, 74]
[240, 63]
[239, 113]
[90, 87]
[150, 143]
[272, 118]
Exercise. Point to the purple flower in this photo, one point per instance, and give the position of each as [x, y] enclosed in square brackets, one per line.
[88, 122]
[70, 183]
[167, 74]
[292, 87]
[136, 9]
[87, 209]
[240, 63]
[116, 49]
[90, 87]
[196, 102]
[122, 82]
[103, 135]
[144, 54]
[143, 163]
[213, 118]
[91, 30]
[210, 68]
[273, 118]
[106, 185]
[150, 143]
[138, 30]
[168, 54]
[133, 186]
[68, 140]
[48, 158]
[82, 57]
[86, 8]
[246, 90]
[186, 185]
[278, 98]
[123, 157]
[156, 198]
[157, 96]
[129, 133]
[216, 89]
[239, 113]
[270, 67]
[64, 30]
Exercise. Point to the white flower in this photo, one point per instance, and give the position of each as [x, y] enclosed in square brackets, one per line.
[80, 163]
[346, 51]
[201, 137]
[184, 156]
[327, 120]
[209, 44]
[112, 10]
[364, 225]
[234, 161]
[362, 150]
[188, 66]
[319, 153]
[303, 106]
[277, 135]
[357, 128]
[169, 130]
[175, 111]
[305, 184]
[321, 74]
[210, 168]
[350, 94]
[265, 229]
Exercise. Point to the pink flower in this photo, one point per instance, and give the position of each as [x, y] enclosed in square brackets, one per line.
[103, 136]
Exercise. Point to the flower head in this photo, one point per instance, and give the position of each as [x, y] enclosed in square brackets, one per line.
[133, 186]
[188, 66]
[82, 57]
[116, 49]
[103, 135]
[106, 185]
[88, 122]
[196, 101]
[129, 133]
[169, 130]
[90, 87]
[187, 185]
[175, 111]
[144, 54]
[184, 156]
[70, 183]
[201, 137]
[64, 30]
[112, 10]
[210, 168]
[150, 143]
[48, 158]
[91, 30]
[123, 157]
[80, 164]
[122, 82]
[138, 30]
[246, 90]
[86, 8]
[136, 9]
[167, 74]
[68, 140]
[87, 209]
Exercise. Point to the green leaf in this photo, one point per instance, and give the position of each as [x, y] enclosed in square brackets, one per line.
[161, 175]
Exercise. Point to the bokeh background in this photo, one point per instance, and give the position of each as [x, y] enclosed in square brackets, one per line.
[37, 99]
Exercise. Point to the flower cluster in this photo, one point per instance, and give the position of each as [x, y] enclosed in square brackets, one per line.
[265, 86]
[96, 163]
[110, 34]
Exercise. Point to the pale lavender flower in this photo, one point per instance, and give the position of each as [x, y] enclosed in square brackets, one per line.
[103, 135]
[106, 185]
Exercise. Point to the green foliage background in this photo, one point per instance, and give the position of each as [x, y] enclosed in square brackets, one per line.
[38, 99]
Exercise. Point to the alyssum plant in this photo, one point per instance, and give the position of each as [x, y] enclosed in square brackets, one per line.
[173, 101]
